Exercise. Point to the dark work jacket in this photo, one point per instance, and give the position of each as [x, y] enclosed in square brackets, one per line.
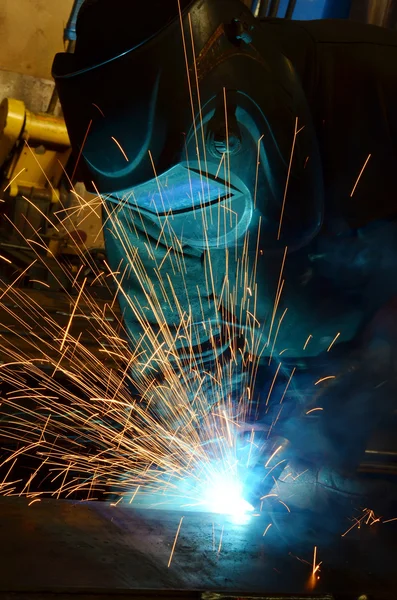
[348, 72]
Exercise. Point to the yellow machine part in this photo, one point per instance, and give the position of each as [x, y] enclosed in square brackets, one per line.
[12, 121]
[36, 169]
[45, 129]
[37, 164]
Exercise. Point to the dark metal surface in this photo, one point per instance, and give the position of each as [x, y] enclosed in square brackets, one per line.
[264, 7]
[274, 6]
[87, 547]
[290, 9]
[376, 12]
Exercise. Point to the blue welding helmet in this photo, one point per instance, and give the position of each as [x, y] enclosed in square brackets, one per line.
[189, 109]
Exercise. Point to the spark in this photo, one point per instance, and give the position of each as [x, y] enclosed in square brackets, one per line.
[333, 342]
[257, 168]
[288, 178]
[288, 384]
[117, 502]
[325, 379]
[120, 148]
[175, 541]
[359, 177]
[276, 335]
[368, 517]
[100, 110]
[20, 276]
[33, 501]
[81, 150]
[313, 410]
[279, 289]
[13, 179]
[220, 540]
[275, 467]
[41, 282]
[316, 566]
[272, 384]
[72, 315]
[307, 341]
[287, 507]
[7, 260]
[251, 443]
[273, 455]
[300, 474]
[220, 164]
[134, 494]
[267, 529]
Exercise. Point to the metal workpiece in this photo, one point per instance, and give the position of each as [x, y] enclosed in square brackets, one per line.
[158, 594]
[97, 548]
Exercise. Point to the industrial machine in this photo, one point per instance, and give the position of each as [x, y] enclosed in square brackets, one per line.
[36, 167]
[36, 200]
[34, 150]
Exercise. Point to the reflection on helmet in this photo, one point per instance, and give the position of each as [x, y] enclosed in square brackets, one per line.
[201, 208]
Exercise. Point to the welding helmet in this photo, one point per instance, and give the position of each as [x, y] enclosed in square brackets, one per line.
[186, 108]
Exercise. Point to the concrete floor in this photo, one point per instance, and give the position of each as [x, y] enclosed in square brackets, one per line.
[94, 547]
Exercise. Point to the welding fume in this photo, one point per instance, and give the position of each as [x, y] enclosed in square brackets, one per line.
[250, 165]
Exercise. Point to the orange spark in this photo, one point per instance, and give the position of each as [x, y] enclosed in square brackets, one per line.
[333, 342]
[33, 501]
[288, 178]
[175, 540]
[120, 148]
[287, 507]
[316, 567]
[359, 177]
[273, 455]
[220, 540]
[325, 379]
[390, 520]
[13, 179]
[72, 315]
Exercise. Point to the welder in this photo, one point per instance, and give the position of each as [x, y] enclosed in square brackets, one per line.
[224, 139]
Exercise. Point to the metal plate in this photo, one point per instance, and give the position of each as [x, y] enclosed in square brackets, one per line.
[86, 547]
